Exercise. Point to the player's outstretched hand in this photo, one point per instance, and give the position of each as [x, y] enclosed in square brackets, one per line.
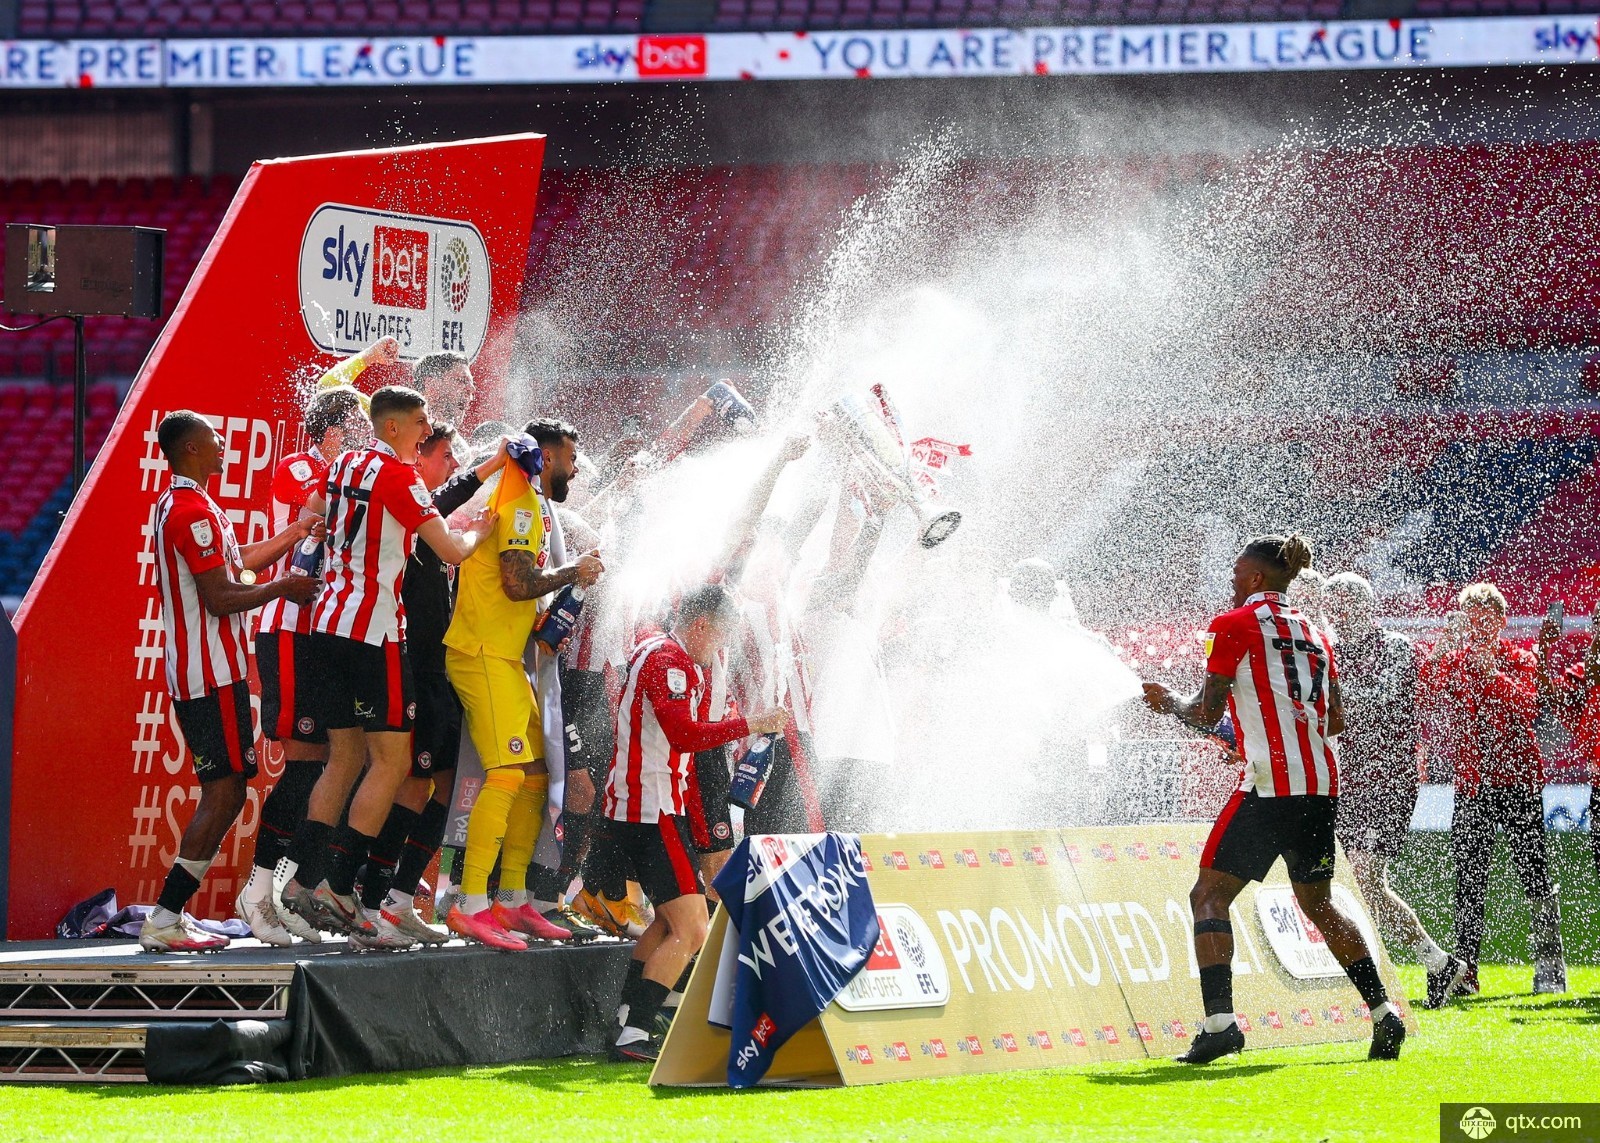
[768, 722]
[1158, 698]
[384, 351]
[796, 446]
[482, 524]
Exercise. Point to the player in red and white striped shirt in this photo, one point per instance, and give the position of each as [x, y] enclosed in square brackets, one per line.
[333, 416]
[376, 507]
[200, 567]
[1273, 669]
[647, 826]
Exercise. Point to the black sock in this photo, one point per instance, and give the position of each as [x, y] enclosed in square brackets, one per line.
[574, 846]
[1364, 975]
[309, 851]
[683, 981]
[180, 886]
[543, 883]
[426, 835]
[345, 855]
[385, 854]
[635, 974]
[1216, 988]
[284, 810]
[644, 1003]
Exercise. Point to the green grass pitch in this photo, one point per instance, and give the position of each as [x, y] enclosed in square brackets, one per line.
[1504, 1045]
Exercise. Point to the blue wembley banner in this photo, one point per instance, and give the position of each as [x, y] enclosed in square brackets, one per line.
[802, 924]
[350, 61]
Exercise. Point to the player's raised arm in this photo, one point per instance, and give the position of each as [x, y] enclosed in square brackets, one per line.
[451, 546]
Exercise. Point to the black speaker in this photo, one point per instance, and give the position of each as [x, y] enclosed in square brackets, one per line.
[84, 269]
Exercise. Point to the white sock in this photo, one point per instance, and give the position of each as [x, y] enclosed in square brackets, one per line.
[1381, 1011]
[673, 1000]
[1219, 1022]
[622, 1015]
[474, 903]
[1430, 953]
[631, 1036]
[541, 906]
[398, 902]
[512, 898]
[286, 871]
[161, 918]
[259, 887]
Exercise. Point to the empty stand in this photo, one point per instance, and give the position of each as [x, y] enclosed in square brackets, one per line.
[178, 18]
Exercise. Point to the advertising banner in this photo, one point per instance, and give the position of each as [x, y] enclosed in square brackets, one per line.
[428, 243]
[1003, 951]
[354, 61]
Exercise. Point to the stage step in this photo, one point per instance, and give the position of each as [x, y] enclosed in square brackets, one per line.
[173, 988]
[85, 1051]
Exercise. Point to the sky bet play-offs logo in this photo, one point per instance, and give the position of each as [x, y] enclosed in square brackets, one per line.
[904, 970]
[366, 274]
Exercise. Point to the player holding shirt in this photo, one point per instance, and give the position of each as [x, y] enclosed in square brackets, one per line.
[376, 507]
[647, 824]
[207, 658]
[497, 602]
[1273, 670]
[334, 418]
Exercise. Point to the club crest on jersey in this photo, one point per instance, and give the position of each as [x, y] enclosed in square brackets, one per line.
[677, 682]
[421, 496]
[522, 524]
[515, 745]
[202, 533]
[306, 725]
[300, 470]
[722, 831]
[424, 760]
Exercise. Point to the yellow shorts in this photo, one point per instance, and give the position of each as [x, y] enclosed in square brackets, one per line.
[502, 710]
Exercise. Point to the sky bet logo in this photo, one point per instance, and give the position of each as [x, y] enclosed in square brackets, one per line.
[651, 57]
[366, 274]
[1575, 40]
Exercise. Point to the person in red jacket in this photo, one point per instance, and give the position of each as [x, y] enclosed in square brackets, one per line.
[1490, 691]
[646, 824]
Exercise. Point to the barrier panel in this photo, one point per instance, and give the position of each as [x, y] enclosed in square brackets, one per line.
[1006, 951]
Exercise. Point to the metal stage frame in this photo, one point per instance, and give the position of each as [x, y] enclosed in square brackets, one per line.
[83, 1011]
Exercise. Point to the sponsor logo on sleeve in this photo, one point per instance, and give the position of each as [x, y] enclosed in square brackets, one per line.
[300, 470]
[202, 533]
[421, 496]
[522, 522]
[677, 682]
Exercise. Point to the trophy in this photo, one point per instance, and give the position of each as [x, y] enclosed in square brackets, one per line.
[870, 428]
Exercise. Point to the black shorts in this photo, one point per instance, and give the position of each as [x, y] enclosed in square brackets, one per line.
[710, 825]
[281, 660]
[658, 855]
[1375, 817]
[436, 738]
[217, 729]
[356, 686]
[591, 726]
[1252, 832]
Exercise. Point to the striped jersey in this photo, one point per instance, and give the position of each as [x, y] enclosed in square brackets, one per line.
[658, 732]
[1282, 670]
[293, 482]
[376, 503]
[203, 651]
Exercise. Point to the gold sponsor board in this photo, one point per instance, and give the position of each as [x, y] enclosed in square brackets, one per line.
[1002, 951]
[1136, 881]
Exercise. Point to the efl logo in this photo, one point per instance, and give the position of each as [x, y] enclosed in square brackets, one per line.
[400, 267]
[764, 1029]
[672, 57]
[936, 1049]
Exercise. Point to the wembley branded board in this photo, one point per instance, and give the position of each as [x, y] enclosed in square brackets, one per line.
[928, 53]
[1003, 951]
[92, 713]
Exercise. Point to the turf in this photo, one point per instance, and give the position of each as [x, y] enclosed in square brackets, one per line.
[1504, 1045]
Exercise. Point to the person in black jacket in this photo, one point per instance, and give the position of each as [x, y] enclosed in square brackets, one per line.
[416, 825]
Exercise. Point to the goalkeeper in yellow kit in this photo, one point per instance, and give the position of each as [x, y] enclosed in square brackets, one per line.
[498, 594]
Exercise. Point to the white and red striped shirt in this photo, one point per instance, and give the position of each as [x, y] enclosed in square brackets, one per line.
[297, 476]
[1282, 671]
[376, 503]
[658, 732]
[204, 652]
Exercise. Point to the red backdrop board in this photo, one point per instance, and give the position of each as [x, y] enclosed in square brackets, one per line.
[314, 256]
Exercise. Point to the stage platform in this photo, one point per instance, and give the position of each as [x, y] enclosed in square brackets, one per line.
[105, 1012]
